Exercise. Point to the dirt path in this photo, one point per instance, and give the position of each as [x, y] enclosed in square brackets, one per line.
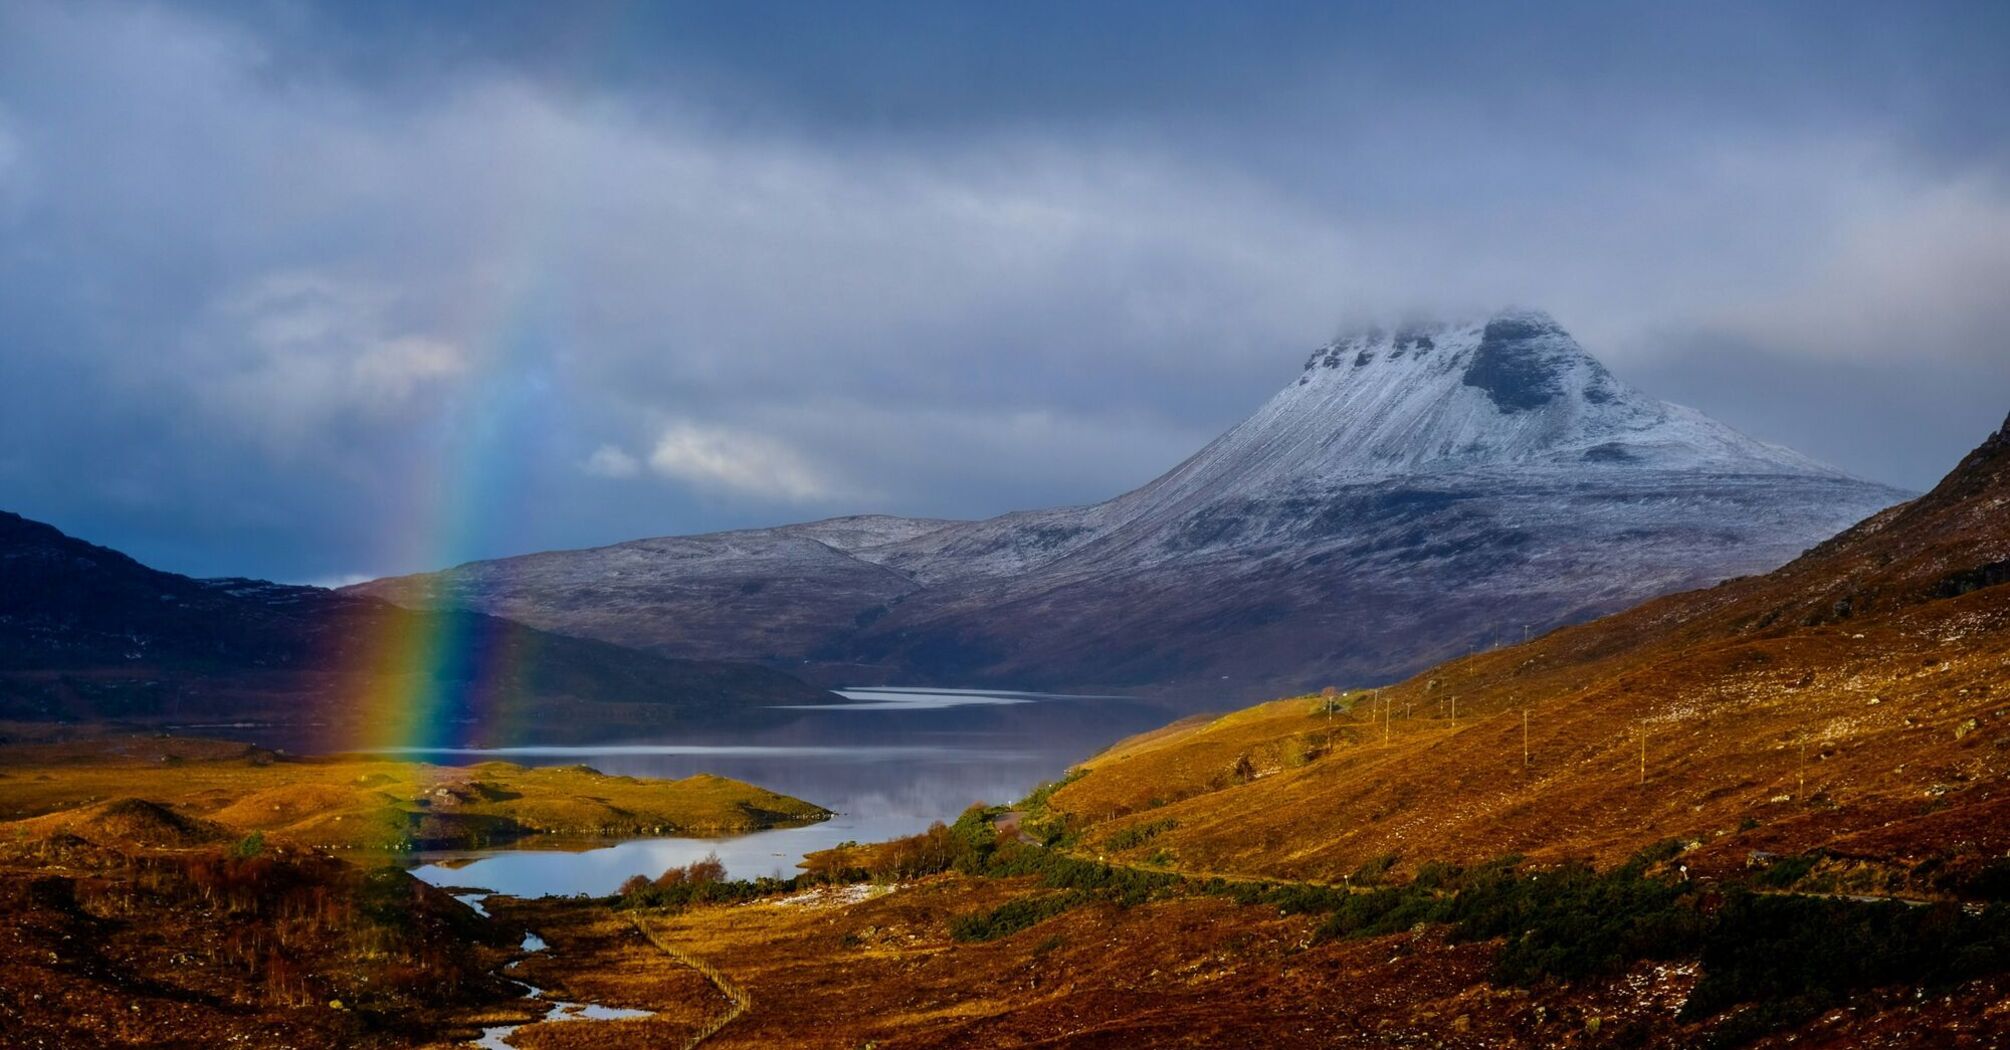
[735, 995]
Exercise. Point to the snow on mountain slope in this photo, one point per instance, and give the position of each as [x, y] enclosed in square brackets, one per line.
[1514, 389]
[768, 594]
[866, 532]
[1501, 402]
[1410, 495]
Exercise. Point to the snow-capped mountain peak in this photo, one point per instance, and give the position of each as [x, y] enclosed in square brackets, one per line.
[1511, 390]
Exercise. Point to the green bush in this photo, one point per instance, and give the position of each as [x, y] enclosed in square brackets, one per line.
[1012, 916]
[1373, 871]
[1560, 923]
[1769, 948]
[1785, 871]
[1138, 834]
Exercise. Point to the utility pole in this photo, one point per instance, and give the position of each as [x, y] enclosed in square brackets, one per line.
[1643, 751]
[1524, 739]
[1801, 791]
[1386, 719]
[1455, 712]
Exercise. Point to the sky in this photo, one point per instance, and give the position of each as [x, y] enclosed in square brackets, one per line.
[320, 292]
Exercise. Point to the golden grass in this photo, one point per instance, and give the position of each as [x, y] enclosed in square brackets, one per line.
[1869, 736]
[369, 803]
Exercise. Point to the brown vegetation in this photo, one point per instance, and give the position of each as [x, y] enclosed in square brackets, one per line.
[1853, 701]
[126, 941]
[882, 967]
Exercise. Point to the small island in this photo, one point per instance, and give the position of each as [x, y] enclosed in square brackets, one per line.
[160, 790]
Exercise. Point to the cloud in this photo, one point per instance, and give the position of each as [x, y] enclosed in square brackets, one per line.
[738, 463]
[1915, 273]
[273, 283]
[611, 461]
[292, 355]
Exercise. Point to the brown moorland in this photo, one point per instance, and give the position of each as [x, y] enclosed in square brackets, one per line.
[882, 966]
[169, 892]
[142, 930]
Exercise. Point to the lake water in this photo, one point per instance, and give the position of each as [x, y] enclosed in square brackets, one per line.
[889, 763]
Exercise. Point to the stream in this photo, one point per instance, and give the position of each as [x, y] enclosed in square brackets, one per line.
[496, 1037]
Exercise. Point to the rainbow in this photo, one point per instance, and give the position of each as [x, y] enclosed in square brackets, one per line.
[443, 679]
[447, 679]
[454, 679]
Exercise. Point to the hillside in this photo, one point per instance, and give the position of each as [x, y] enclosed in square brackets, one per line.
[1410, 496]
[87, 633]
[1851, 702]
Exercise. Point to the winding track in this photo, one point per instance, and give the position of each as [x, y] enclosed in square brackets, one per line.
[735, 995]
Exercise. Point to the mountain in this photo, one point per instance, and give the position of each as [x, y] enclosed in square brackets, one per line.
[87, 633]
[1410, 496]
[1847, 707]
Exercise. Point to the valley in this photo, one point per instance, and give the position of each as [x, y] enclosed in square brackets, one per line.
[1766, 813]
[954, 526]
[1324, 871]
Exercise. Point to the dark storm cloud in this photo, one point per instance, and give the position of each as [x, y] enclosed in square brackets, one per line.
[288, 284]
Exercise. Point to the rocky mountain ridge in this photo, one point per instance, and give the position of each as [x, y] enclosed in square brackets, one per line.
[1411, 495]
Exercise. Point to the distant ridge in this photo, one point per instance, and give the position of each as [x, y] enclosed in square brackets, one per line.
[87, 634]
[1410, 495]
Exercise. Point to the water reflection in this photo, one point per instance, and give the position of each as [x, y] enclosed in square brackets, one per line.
[888, 764]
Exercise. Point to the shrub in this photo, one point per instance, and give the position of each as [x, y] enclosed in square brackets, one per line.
[708, 869]
[1768, 948]
[1373, 871]
[1012, 916]
[1786, 871]
[1138, 834]
[1560, 923]
[1658, 853]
